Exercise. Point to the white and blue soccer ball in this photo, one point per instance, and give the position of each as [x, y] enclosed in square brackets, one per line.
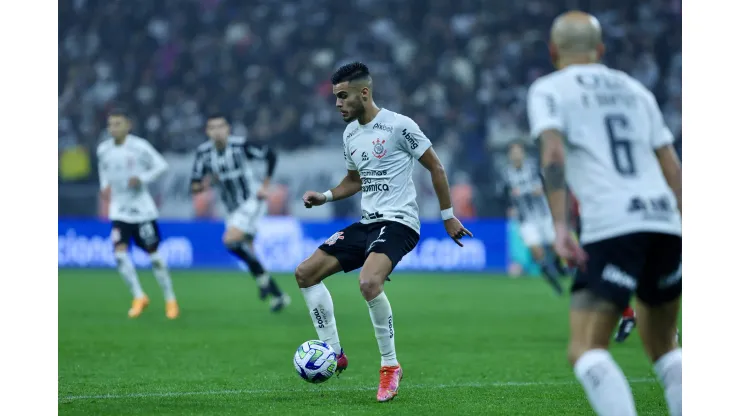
[315, 361]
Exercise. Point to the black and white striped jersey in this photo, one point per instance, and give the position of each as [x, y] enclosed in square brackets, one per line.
[525, 191]
[231, 168]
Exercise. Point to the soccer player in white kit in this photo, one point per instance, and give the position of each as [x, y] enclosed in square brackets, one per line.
[602, 133]
[380, 147]
[127, 164]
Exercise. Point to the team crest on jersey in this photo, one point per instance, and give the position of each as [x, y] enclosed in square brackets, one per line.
[378, 150]
[339, 235]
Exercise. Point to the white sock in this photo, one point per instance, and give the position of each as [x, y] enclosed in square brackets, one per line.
[669, 371]
[321, 309]
[128, 272]
[605, 384]
[382, 317]
[159, 268]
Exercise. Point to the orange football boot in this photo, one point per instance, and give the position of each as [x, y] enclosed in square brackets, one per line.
[138, 306]
[172, 310]
[390, 377]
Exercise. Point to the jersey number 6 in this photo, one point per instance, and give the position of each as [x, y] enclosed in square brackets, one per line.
[621, 147]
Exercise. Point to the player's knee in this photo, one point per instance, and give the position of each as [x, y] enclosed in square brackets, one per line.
[232, 238]
[371, 284]
[305, 275]
[120, 248]
[157, 261]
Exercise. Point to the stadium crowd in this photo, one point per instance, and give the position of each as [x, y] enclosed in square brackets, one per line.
[460, 68]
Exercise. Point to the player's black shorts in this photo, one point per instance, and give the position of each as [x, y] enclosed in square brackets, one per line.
[647, 264]
[352, 245]
[145, 234]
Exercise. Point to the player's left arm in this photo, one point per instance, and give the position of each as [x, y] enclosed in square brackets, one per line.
[661, 141]
[157, 164]
[420, 147]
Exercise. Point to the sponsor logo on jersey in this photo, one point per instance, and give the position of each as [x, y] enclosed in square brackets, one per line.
[378, 150]
[353, 132]
[376, 187]
[384, 127]
[372, 172]
[412, 142]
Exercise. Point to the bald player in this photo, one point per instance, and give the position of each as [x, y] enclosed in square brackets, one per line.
[603, 135]
[380, 148]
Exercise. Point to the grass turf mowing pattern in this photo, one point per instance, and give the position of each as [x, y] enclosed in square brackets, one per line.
[469, 345]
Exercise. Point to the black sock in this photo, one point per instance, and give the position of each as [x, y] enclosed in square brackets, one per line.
[254, 265]
[551, 275]
[247, 257]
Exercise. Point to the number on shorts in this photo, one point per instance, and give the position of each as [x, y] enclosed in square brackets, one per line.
[146, 231]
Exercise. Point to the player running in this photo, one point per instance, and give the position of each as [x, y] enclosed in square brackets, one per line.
[624, 172]
[127, 164]
[535, 224]
[226, 159]
[380, 147]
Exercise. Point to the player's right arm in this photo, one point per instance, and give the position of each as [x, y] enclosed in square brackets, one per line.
[547, 124]
[103, 172]
[662, 141]
[350, 185]
[200, 170]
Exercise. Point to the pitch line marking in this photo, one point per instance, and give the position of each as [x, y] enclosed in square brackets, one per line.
[327, 388]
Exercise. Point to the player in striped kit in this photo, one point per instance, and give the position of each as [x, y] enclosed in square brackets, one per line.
[226, 159]
[524, 184]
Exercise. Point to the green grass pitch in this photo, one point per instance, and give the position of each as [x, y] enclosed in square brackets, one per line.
[470, 344]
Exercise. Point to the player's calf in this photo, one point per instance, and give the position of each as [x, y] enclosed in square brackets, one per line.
[309, 275]
[234, 240]
[162, 274]
[549, 271]
[128, 272]
[372, 278]
[658, 333]
[592, 320]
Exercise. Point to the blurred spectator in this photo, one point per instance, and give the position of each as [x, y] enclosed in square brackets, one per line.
[460, 68]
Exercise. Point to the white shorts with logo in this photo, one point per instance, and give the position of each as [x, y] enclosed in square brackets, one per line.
[539, 232]
[246, 218]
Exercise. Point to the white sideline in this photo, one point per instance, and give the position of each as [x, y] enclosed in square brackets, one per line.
[330, 388]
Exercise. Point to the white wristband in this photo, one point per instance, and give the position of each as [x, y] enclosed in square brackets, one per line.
[329, 196]
[447, 214]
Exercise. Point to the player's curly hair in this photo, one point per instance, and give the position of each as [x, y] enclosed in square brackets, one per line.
[350, 72]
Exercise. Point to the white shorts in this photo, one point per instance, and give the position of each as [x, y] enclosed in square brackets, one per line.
[537, 232]
[246, 218]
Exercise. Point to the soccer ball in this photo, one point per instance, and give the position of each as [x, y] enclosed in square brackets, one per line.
[315, 361]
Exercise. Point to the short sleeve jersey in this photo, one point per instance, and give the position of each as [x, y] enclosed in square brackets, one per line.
[135, 157]
[612, 126]
[384, 151]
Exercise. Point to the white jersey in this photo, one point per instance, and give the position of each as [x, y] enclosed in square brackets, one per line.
[383, 151]
[611, 125]
[135, 157]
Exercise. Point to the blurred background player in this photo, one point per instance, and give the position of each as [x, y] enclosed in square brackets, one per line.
[524, 183]
[226, 160]
[623, 169]
[127, 165]
[380, 147]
